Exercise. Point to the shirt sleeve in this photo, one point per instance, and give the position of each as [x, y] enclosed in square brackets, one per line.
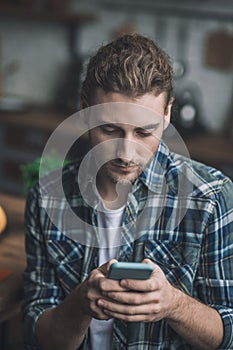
[215, 276]
[41, 289]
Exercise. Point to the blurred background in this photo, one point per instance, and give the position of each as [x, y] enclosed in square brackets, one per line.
[45, 44]
[44, 47]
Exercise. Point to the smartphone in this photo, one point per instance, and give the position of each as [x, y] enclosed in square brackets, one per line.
[130, 270]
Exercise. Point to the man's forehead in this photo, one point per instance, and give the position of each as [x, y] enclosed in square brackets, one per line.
[123, 113]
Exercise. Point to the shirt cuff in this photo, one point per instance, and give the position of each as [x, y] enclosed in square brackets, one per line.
[227, 319]
[29, 327]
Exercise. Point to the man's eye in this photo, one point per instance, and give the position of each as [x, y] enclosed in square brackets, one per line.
[108, 129]
[144, 133]
[141, 132]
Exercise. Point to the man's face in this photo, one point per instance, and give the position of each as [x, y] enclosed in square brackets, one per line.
[128, 134]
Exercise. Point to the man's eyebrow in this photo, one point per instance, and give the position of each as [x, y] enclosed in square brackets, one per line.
[108, 123]
[149, 126]
[116, 125]
[101, 121]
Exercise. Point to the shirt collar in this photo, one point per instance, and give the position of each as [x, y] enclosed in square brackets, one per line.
[86, 181]
[153, 176]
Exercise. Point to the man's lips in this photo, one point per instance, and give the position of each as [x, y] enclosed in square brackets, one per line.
[124, 167]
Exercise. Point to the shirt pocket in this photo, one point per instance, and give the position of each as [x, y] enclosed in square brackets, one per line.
[178, 260]
[66, 258]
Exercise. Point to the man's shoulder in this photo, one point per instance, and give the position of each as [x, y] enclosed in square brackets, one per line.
[59, 181]
[205, 180]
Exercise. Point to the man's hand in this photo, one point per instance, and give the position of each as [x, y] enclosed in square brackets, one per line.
[94, 288]
[155, 299]
[139, 300]
[72, 317]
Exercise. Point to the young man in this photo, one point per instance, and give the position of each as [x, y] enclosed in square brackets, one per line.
[136, 196]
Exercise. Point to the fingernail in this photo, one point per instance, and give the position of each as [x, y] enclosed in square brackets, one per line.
[123, 283]
[101, 302]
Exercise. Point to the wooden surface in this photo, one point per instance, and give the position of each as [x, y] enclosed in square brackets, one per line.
[12, 256]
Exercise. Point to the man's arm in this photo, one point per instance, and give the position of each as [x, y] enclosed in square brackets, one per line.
[62, 327]
[199, 324]
[65, 326]
[52, 321]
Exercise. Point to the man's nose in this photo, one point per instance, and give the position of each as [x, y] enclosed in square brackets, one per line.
[126, 149]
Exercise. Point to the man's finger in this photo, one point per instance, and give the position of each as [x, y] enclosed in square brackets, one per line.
[105, 267]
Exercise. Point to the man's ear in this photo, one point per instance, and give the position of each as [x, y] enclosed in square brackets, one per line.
[167, 116]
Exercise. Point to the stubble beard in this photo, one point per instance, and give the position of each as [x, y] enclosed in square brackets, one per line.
[123, 179]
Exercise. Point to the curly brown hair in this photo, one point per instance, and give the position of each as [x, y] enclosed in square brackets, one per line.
[132, 65]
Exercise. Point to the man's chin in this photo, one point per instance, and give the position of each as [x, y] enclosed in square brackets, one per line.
[123, 179]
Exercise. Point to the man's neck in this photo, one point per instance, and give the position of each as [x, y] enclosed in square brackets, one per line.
[114, 195]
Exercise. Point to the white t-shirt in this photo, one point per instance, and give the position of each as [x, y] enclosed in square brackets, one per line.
[109, 223]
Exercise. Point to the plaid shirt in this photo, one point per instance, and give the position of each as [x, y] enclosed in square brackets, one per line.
[193, 247]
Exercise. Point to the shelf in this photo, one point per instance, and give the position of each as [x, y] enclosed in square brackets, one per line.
[61, 16]
[37, 117]
[220, 10]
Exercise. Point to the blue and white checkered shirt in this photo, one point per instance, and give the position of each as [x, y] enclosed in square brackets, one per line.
[179, 214]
